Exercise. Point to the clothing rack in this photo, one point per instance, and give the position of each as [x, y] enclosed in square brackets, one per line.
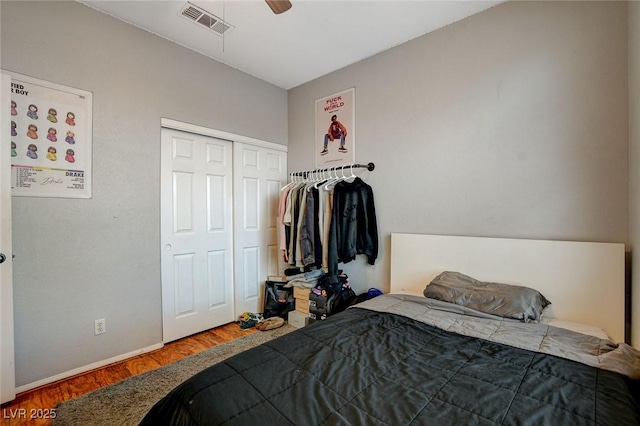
[306, 173]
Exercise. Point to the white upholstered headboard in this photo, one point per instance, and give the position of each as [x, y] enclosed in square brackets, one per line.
[583, 281]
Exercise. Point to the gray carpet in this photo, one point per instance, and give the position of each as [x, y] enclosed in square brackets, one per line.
[125, 403]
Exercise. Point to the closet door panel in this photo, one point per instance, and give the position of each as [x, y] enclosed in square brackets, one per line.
[216, 202]
[183, 202]
[251, 207]
[259, 173]
[196, 233]
[251, 274]
[217, 274]
[273, 193]
[184, 284]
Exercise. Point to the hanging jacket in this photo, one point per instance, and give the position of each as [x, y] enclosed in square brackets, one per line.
[354, 228]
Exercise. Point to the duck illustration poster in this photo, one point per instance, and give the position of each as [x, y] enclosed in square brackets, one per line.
[335, 129]
[51, 139]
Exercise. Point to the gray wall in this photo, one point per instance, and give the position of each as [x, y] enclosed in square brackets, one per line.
[634, 161]
[511, 123]
[80, 260]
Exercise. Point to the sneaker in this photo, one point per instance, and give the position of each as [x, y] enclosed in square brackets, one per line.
[342, 149]
[249, 320]
[245, 325]
[323, 152]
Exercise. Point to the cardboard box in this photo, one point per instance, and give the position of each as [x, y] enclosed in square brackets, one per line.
[298, 319]
[302, 306]
[301, 293]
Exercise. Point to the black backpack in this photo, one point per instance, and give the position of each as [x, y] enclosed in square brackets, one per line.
[341, 300]
[339, 295]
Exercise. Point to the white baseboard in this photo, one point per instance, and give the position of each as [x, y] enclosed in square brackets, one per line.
[80, 370]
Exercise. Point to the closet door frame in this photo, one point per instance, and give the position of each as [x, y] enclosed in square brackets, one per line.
[187, 127]
[241, 303]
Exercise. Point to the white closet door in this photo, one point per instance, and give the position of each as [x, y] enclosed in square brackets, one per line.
[197, 233]
[259, 173]
[7, 358]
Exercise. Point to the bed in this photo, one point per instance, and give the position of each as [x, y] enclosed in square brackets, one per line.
[402, 358]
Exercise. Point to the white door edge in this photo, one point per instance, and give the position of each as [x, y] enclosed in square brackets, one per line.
[7, 351]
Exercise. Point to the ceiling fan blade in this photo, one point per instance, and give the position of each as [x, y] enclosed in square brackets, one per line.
[279, 6]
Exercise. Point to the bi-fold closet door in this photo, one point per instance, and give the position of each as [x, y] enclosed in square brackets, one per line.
[218, 229]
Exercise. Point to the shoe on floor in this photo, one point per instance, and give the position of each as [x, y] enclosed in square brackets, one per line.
[270, 323]
[249, 320]
[245, 325]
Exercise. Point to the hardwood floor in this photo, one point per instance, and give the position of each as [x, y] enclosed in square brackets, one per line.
[30, 408]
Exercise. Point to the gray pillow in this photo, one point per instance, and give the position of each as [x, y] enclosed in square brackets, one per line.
[504, 300]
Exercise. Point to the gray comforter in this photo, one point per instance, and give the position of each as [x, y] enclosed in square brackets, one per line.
[367, 367]
[542, 338]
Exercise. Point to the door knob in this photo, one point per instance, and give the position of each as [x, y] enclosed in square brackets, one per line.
[2, 257]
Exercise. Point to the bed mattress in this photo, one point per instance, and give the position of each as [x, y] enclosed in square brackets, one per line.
[367, 366]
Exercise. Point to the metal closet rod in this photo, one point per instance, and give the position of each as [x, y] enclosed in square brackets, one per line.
[305, 173]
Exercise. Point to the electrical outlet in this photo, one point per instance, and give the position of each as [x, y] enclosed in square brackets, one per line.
[100, 326]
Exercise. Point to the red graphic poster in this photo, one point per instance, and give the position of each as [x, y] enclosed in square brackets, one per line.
[335, 129]
[51, 131]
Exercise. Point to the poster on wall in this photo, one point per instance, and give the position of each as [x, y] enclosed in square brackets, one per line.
[51, 131]
[335, 129]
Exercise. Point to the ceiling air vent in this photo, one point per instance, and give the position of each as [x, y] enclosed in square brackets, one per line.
[205, 19]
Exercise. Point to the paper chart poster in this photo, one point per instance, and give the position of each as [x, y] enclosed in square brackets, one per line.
[51, 139]
[335, 129]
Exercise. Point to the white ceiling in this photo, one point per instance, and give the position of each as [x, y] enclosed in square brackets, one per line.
[313, 38]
